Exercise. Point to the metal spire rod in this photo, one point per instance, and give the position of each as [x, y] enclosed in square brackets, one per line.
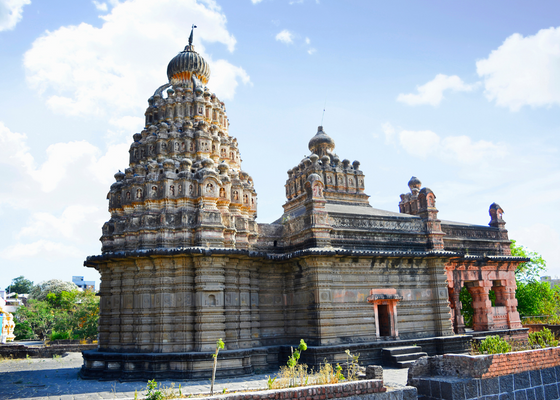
[191, 36]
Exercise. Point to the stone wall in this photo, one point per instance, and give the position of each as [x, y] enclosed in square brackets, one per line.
[531, 374]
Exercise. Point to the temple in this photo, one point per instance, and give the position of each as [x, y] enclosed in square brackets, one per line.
[184, 261]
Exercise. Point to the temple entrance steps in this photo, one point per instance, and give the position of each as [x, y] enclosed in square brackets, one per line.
[401, 357]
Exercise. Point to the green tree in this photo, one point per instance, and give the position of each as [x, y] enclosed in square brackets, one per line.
[20, 285]
[534, 297]
[56, 286]
[70, 315]
[531, 270]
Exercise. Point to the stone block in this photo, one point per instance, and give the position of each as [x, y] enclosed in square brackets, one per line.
[531, 394]
[520, 395]
[472, 389]
[435, 389]
[506, 383]
[551, 392]
[490, 386]
[424, 388]
[536, 379]
[374, 372]
[548, 376]
[539, 393]
[521, 381]
[507, 396]
[452, 390]
[409, 393]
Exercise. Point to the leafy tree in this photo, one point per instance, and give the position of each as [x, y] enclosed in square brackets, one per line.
[531, 270]
[20, 285]
[534, 297]
[71, 315]
[56, 286]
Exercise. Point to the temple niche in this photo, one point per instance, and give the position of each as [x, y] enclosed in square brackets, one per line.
[184, 262]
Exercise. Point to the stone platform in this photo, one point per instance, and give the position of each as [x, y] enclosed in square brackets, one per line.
[105, 365]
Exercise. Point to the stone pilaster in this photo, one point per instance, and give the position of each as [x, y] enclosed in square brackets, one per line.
[244, 306]
[320, 282]
[127, 311]
[440, 303]
[209, 286]
[143, 305]
[255, 314]
[104, 324]
[185, 312]
[115, 324]
[231, 290]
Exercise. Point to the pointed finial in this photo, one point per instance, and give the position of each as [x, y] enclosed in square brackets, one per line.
[191, 36]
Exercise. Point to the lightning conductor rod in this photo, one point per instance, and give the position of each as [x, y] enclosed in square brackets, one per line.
[323, 117]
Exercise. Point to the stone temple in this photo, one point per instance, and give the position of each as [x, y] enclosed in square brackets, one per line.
[184, 261]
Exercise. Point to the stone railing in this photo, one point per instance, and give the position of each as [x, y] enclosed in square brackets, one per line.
[531, 374]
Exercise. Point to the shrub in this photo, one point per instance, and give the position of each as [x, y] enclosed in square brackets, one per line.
[494, 345]
[542, 339]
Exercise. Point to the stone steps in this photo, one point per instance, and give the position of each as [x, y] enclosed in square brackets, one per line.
[401, 357]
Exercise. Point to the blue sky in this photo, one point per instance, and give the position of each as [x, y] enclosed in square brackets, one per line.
[463, 95]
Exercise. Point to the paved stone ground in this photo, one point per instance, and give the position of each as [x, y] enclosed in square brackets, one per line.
[57, 378]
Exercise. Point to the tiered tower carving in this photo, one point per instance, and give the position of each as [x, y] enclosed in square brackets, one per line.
[184, 185]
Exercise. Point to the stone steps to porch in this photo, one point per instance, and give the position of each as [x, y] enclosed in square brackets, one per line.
[401, 357]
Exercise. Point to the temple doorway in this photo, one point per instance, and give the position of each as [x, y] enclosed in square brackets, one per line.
[384, 320]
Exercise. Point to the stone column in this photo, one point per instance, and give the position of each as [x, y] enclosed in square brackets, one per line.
[505, 296]
[115, 324]
[320, 279]
[255, 314]
[244, 306]
[104, 323]
[441, 317]
[232, 304]
[143, 303]
[127, 312]
[184, 311]
[209, 301]
[482, 319]
[163, 307]
[458, 320]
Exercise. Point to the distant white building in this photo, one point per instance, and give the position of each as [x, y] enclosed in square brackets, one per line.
[11, 302]
[84, 285]
[553, 281]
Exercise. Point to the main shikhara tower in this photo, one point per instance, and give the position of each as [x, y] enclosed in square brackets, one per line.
[184, 185]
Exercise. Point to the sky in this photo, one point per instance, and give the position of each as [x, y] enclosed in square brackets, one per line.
[463, 95]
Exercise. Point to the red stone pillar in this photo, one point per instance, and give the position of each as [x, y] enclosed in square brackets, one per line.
[505, 296]
[482, 319]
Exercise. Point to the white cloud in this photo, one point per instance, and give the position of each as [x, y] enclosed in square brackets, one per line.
[85, 70]
[46, 225]
[13, 149]
[100, 6]
[11, 13]
[389, 132]
[460, 150]
[285, 36]
[524, 71]
[41, 248]
[311, 51]
[307, 40]
[432, 92]
[256, 1]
